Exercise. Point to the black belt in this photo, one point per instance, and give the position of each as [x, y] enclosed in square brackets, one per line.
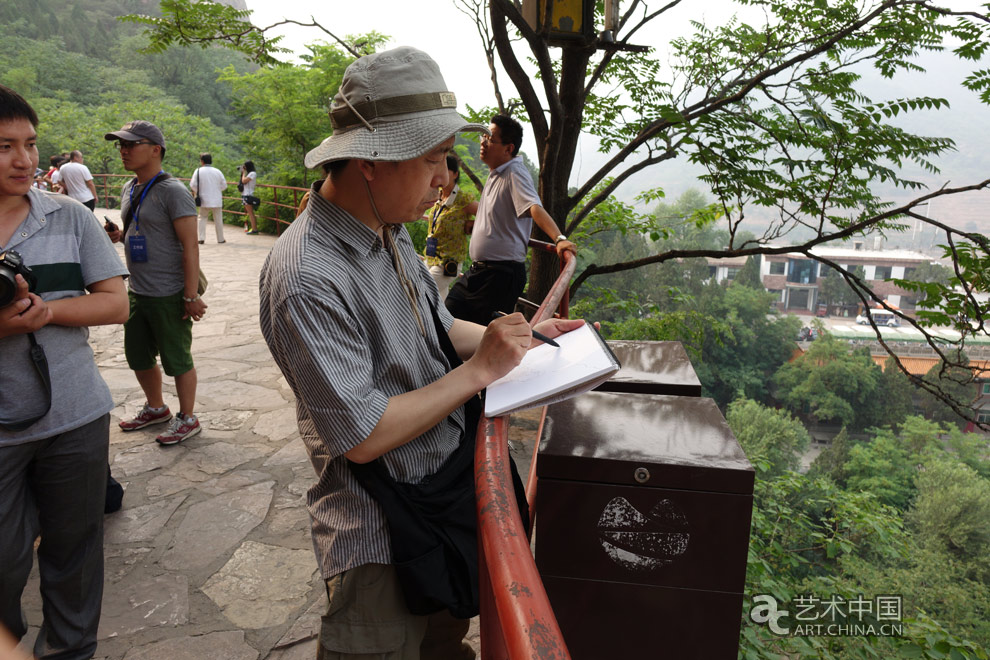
[479, 265]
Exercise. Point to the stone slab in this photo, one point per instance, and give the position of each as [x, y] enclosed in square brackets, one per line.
[307, 626]
[302, 651]
[145, 458]
[233, 481]
[225, 420]
[231, 394]
[141, 523]
[212, 646]
[262, 585]
[293, 453]
[211, 529]
[160, 602]
[203, 462]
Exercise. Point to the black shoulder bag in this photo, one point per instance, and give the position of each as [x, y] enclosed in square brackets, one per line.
[197, 199]
[433, 525]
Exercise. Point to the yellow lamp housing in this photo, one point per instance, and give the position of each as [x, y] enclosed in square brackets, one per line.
[570, 20]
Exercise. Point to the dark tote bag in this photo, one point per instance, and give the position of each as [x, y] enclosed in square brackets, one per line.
[433, 524]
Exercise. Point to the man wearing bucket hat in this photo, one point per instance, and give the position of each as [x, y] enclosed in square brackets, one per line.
[385, 406]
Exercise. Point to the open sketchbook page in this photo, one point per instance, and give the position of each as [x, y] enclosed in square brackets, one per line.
[547, 374]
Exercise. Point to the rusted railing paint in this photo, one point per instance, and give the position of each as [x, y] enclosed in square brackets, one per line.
[524, 626]
[517, 621]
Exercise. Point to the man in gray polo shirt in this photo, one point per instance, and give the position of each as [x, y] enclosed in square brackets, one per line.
[508, 207]
[354, 321]
[53, 460]
[159, 237]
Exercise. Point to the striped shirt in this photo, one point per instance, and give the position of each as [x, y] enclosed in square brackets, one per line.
[341, 329]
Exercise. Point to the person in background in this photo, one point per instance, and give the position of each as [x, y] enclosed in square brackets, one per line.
[56, 177]
[159, 236]
[249, 179]
[207, 185]
[54, 163]
[508, 207]
[448, 224]
[77, 180]
[54, 417]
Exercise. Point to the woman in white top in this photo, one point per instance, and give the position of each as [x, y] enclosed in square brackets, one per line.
[249, 179]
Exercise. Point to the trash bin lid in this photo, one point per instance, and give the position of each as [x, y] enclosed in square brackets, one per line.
[643, 440]
[652, 367]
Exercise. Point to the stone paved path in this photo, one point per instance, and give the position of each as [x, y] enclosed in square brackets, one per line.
[210, 556]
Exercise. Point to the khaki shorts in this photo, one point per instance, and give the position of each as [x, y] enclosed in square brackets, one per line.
[155, 327]
[367, 619]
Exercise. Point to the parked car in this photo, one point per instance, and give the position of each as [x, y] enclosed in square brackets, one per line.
[880, 318]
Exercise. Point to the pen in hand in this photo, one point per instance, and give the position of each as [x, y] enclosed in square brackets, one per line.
[536, 335]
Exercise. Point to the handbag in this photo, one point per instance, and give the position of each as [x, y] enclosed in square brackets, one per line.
[240, 187]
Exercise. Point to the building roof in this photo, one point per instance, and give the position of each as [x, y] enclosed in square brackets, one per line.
[871, 255]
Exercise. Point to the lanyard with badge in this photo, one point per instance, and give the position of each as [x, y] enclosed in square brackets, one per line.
[431, 238]
[137, 245]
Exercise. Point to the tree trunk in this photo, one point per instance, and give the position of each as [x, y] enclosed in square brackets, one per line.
[556, 162]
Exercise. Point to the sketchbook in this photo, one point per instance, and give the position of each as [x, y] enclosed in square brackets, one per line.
[547, 374]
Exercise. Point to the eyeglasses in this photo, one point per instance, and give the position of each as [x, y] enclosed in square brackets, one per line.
[487, 139]
[127, 144]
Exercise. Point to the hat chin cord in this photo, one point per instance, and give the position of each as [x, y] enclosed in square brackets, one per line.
[389, 242]
[374, 207]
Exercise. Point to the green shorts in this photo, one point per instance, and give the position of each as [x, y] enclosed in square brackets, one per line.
[156, 327]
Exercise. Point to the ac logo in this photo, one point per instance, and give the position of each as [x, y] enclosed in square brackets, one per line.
[765, 610]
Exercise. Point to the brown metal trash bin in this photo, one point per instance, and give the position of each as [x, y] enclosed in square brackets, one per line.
[642, 526]
[652, 367]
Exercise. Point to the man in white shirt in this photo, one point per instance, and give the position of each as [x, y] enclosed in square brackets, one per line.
[207, 185]
[77, 180]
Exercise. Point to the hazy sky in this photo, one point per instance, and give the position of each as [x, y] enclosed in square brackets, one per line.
[449, 36]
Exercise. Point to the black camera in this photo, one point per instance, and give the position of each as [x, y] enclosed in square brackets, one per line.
[10, 265]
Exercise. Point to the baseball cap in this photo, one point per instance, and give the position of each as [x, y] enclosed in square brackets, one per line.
[138, 130]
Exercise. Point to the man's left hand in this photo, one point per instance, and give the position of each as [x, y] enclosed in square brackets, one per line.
[553, 328]
[195, 309]
[565, 246]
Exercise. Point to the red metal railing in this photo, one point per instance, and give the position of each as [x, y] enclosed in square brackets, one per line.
[517, 621]
[109, 186]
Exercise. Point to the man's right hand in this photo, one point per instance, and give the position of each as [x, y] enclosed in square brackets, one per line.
[27, 313]
[114, 236]
[502, 347]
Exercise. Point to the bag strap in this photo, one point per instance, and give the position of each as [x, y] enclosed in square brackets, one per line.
[40, 363]
[130, 210]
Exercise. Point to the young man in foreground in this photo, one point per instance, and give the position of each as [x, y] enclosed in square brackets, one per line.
[53, 460]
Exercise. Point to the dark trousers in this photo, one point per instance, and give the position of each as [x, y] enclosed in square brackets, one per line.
[91, 204]
[56, 486]
[486, 288]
